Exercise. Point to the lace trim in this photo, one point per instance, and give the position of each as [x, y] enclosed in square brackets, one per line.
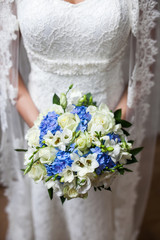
[8, 26]
[75, 67]
[139, 89]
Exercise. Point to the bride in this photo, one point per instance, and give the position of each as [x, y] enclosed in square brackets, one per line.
[85, 43]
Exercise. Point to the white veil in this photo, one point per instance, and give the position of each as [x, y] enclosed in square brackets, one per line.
[143, 110]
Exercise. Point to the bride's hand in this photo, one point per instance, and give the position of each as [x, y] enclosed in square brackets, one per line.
[123, 104]
[25, 105]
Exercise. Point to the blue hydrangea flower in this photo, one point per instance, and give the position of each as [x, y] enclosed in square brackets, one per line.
[84, 116]
[49, 123]
[114, 137]
[103, 159]
[61, 161]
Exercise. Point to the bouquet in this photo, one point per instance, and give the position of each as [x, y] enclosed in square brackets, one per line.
[75, 145]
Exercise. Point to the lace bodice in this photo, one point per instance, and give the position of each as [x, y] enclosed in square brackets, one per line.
[87, 35]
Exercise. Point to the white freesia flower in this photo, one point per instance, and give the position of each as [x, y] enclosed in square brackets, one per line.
[67, 175]
[85, 165]
[56, 185]
[70, 190]
[57, 141]
[124, 156]
[118, 129]
[47, 154]
[84, 184]
[69, 120]
[32, 136]
[105, 179]
[115, 153]
[66, 136]
[84, 141]
[48, 138]
[37, 172]
[74, 95]
[29, 153]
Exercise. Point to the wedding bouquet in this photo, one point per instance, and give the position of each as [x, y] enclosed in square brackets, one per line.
[75, 145]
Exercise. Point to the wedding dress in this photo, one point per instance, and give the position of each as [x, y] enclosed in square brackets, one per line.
[83, 44]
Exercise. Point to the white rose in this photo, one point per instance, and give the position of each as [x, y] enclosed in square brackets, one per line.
[91, 109]
[103, 121]
[37, 172]
[47, 154]
[69, 120]
[84, 141]
[56, 108]
[32, 136]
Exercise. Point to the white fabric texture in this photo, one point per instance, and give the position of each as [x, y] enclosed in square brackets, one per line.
[83, 44]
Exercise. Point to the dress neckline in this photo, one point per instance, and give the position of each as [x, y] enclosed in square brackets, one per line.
[74, 4]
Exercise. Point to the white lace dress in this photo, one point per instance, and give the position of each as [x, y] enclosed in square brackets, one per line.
[81, 44]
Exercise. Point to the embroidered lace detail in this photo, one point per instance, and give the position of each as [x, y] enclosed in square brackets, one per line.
[8, 26]
[75, 45]
[75, 67]
[139, 90]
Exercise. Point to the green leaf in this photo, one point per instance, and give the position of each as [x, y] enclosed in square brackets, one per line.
[124, 123]
[118, 114]
[127, 170]
[125, 132]
[135, 151]
[22, 170]
[50, 192]
[131, 141]
[21, 150]
[133, 160]
[109, 189]
[121, 171]
[88, 95]
[63, 199]
[99, 188]
[56, 99]
[95, 189]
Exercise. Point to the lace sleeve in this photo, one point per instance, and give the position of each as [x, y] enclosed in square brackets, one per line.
[8, 57]
[134, 15]
[142, 111]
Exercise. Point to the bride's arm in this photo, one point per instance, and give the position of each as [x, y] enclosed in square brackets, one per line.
[123, 103]
[25, 105]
